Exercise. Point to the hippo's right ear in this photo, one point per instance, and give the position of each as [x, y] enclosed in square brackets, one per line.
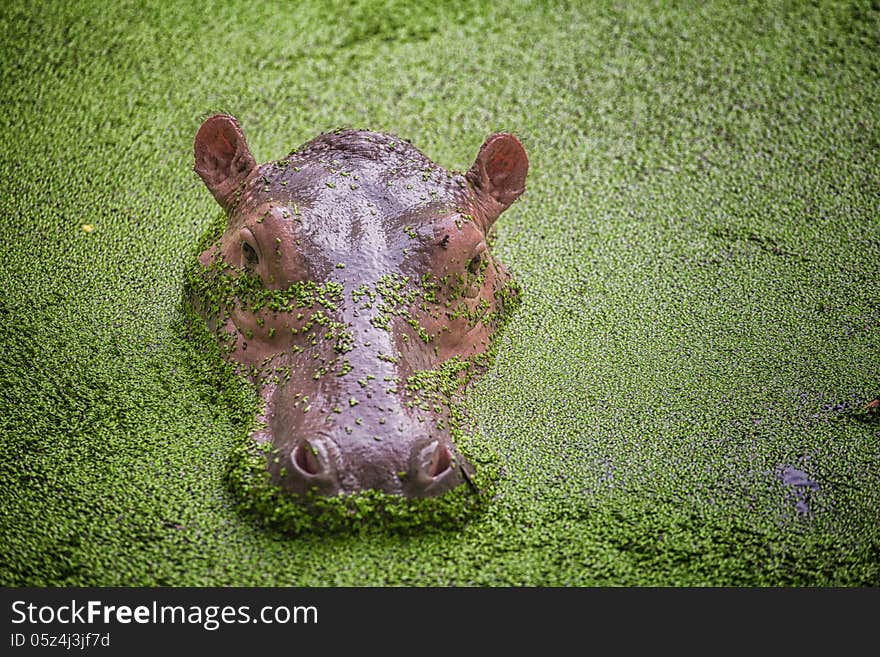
[223, 159]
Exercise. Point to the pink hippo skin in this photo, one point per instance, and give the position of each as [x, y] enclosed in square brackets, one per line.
[343, 269]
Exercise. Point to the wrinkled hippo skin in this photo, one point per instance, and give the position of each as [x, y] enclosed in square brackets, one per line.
[345, 268]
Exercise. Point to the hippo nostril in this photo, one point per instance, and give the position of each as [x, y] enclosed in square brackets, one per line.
[311, 468]
[441, 459]
[305, 457]
[435, 470]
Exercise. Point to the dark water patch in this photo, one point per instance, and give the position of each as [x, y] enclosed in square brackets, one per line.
[802, 487]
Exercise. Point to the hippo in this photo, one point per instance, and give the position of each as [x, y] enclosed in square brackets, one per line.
[342, 273]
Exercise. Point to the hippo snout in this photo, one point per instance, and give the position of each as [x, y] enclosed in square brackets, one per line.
[317, 464]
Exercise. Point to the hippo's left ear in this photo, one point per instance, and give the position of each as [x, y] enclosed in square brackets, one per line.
[223, 159]
[499, 173]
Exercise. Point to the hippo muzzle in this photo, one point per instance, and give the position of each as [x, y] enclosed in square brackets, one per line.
[344, 272]
[345, 434]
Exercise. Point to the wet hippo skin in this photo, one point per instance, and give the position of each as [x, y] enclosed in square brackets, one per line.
[345, 268]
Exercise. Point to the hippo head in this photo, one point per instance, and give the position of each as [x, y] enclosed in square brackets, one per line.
[345, 270]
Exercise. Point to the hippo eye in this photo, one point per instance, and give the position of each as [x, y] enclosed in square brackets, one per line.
[251, 259]
[474, 264]
[250, 256]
